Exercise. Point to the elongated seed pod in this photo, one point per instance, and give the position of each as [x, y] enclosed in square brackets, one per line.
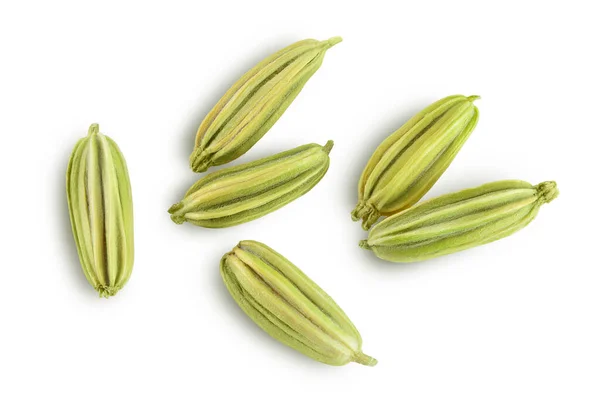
[289, 306]
[101, 211]
[255, 102]
[458, 221]
[243, 193]
[408, 163]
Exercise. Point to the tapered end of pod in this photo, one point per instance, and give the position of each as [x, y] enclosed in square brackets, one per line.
[332, 41]
[367, 213]
[94, 130]
[107, 291]
[200, 161]
[547, 191]
[473, 98]
[328, 146]
[364, 244]
[364, 359]
[178, 219]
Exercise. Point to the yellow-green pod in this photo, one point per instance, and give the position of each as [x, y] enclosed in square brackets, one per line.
[255, 102]
[289, 306]
[458, 221]
[408, 163]
[243, 193]
[101, 211]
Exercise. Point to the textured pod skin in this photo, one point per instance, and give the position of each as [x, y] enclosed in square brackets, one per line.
[458, 221]
[246, 192]
[255, 102]
[409, 162]
[101, 211]
[289, 306]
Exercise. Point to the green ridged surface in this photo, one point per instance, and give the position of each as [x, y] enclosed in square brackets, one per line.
[255, 102]
[458, 221]
[289, 306]
[409, 162]
[101, 211]
[246, 192]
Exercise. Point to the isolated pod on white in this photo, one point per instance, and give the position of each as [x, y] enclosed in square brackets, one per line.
[248, 191]
[409, 162]
[289, 306]
[255, 102]
[458, 221]
[101, 211]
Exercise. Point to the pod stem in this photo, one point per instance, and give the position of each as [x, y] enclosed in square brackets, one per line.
[547, 191]
[178, 219]
[94, 130]
[367, 213]
[364, 244]
[200, 161]
[364, 359]
[333, 41]
[328, 146]
[106, 291]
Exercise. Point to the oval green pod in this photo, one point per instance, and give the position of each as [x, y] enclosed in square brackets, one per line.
[458, 221]
[246, 192]
[289, 306]
[409, 162]
[101, 211]
[255, 102]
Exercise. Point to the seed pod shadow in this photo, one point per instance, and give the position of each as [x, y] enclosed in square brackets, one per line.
[209, 97]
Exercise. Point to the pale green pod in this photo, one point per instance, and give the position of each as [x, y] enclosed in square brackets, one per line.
[255, 102]
[409, 162]
[289, 306]
[101, 211]
[458, 221]
[246, 192]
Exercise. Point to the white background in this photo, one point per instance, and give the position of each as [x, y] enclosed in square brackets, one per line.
[515, 319]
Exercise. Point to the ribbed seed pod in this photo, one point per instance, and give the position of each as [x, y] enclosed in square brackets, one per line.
[289, 306]
[101, 211]
[243, 193]
[458, 221]
[255, 102]
[407, 164]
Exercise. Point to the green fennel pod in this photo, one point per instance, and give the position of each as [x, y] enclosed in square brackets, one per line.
[255, 102]
[289, 306]
[409, 162]
[101, 211]
[248, 191]
[458, 221]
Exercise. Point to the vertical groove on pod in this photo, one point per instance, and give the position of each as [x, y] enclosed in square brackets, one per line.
[100, 208]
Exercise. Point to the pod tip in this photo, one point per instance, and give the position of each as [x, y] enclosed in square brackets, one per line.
[364, 244]
[199, 161]
[178, 219]
[547, 191]
[333, 41]
[367, 213]
[94, 129]
[473, 98]
[106, 291]
[364, 359]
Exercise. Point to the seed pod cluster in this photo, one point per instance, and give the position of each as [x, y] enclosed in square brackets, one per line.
[289, 306]
[458, 221]
[255, 102]
[101, 211]
[407, 164]
[243, 193]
